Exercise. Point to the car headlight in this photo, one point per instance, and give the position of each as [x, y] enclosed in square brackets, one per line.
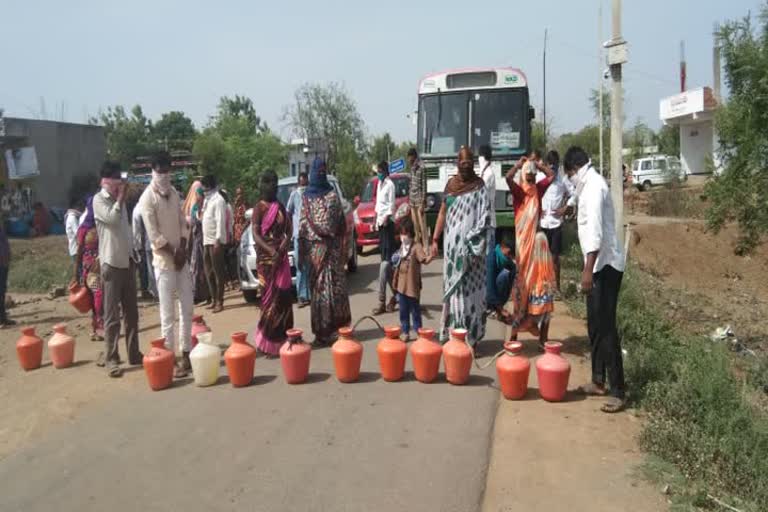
[431, 201]
[510, 200]
[356, 217]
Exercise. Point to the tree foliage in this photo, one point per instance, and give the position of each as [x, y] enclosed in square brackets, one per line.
[128, 135]
[384, 147]
[237, 148]
[668, 140]
[740, 193]
[174, 130]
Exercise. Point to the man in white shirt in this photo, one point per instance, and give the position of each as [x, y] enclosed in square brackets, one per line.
[118, 268]
[385, 223]
[553, 206]
[215, 236]
[601, 278]
[167, 232]
[495, 303]
[71, 224]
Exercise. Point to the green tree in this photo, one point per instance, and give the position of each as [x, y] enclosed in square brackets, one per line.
[128, 136]
[237, 148]
[637, 138]
[668, 140]
[328, 113]
[382, 148]
[538, 137]
[740, 193]
[594, 103]
[587, 138]
[174, 130]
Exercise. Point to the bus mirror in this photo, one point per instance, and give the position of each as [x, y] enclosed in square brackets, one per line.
[531, 113]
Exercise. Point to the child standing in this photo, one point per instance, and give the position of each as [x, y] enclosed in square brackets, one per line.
[407, 278]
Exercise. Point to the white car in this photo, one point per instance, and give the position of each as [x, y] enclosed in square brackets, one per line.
[656, 170]
[246, 251]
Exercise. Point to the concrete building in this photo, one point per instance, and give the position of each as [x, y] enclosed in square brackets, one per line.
[67, 154]
[303, 152]
[693, 111]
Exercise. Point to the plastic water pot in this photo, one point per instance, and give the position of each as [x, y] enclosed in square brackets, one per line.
[294, 357]
[61, 347]
[553, 371]
[205, 359]
[426, 355]
[513, 370]
[347, 356]
[458, 358]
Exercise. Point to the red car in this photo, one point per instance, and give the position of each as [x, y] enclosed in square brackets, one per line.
[365, 214]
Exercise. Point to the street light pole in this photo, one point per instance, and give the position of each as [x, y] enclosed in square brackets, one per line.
[617, 56]
[600, 68]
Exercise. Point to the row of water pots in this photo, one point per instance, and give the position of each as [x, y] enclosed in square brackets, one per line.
[512, 367]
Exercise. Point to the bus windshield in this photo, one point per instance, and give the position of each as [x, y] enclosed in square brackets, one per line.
[443, 124]
[500, 120]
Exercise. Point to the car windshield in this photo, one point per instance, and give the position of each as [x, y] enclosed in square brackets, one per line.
[443, 123]
[500, 120]
[367, 195]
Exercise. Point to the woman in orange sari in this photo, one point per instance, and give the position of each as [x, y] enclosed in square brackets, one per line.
[533, 293]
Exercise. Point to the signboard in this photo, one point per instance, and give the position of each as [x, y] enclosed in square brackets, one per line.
[683, 104]
[396, 165]
[22, 163]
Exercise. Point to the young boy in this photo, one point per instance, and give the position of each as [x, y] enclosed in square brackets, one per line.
[407, 278]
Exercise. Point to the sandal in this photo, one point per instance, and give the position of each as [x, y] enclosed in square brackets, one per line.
[115, 372]
[592, 389]
[613, 405]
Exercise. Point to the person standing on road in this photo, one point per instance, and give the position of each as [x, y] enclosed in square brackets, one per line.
[495, 302]
[118, 268]
[417, 198]
[294, 209]
[167, 233]
[5, 262]
[195, 249]
[553, 206]
[71, 224]
[601, 278]
[385, 223]
[322, 233]
[534, 291]
[407, 279]
[215, 238]
[88, 269]
[272, 234]
[464, 215]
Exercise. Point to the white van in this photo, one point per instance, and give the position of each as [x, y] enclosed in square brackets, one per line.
[656, 170]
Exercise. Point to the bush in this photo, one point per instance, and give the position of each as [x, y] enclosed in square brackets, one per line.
[39, 264]
[699, 416]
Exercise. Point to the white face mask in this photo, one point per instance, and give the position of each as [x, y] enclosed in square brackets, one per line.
[405, 240]
[482, 161]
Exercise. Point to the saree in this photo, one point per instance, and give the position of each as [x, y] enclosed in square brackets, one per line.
[321, 243]
[465, 241]
[533, 294]
[90, 273]
[275, 277]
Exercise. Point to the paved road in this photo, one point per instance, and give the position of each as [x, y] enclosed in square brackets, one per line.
[322, 446]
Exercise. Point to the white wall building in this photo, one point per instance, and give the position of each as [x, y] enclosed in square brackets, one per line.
[693, 111]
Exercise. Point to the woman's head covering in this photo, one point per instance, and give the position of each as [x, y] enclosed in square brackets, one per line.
[191, 199]
[89, 222]
[466, 180]
[318, 180]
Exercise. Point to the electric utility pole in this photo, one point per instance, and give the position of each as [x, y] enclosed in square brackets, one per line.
[617, 56]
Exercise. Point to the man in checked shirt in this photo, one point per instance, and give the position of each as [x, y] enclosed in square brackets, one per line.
[417, 197]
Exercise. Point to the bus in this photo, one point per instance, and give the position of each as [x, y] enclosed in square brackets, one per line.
[473, 107]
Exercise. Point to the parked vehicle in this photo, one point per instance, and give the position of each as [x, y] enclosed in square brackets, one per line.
[246, 251]
[365, 213]
[656, 170]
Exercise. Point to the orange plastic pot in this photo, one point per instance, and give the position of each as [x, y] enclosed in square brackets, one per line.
[198, 326]
[61, 347]
[294, 357]
[513, 369]
[458, 358]
[347, 356]
[29, 349]
[392, 352]
[240, 358]
[80, 298]
[426, 354]
[553, 371]
[158, 365]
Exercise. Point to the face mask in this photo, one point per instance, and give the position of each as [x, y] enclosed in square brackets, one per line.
[162, 182]
[111, 185]
[482, 162]
[405, 240]
[382, 176]
[575, 181]
[208, 193]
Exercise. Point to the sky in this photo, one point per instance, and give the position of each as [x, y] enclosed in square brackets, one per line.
[77, 57]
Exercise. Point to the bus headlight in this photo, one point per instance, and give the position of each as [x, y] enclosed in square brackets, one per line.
[431, 202]
[510, 200]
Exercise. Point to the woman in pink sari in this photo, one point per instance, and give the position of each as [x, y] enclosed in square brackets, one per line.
[272, 234]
